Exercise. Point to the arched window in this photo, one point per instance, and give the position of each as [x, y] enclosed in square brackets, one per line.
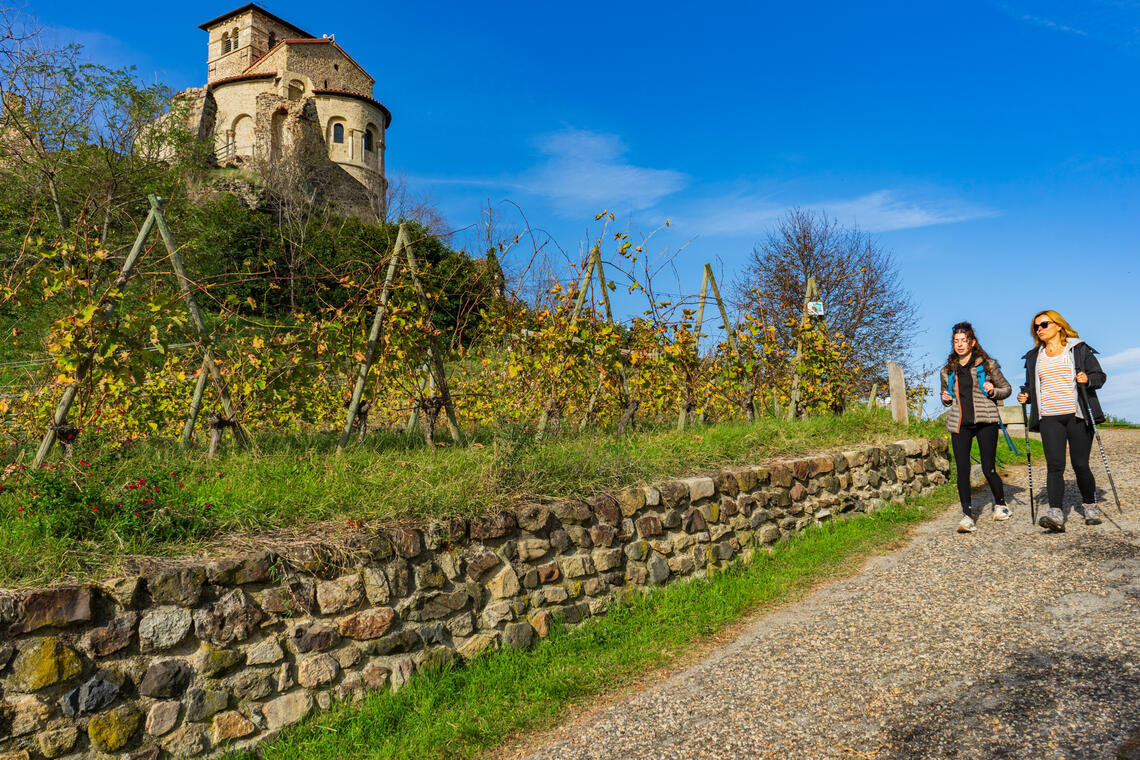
[234, 39]
[368, 139]
[272, 40]
[225, 43]
[338, 133]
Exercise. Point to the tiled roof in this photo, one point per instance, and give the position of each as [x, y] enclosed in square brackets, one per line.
[358, 96]
[259, 9]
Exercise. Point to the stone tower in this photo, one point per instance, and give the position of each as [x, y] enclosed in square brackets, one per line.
[275, 92]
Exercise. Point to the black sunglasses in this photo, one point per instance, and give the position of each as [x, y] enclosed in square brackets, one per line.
[1042, 325]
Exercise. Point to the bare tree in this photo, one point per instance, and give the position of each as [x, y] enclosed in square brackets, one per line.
[81, 134]
[858, 282]
[403, 204]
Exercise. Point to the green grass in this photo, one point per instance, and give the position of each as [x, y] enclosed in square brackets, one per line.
[77, 519]
[469, 711]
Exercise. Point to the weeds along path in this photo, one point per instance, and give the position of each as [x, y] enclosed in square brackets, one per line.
[1008, 642]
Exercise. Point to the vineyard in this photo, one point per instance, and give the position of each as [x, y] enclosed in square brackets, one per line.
[138, 356]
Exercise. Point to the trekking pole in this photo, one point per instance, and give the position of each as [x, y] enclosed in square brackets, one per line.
[1096, 431]
[1029, 463]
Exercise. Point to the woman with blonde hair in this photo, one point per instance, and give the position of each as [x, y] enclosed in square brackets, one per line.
[1062, 375]
[971, 382]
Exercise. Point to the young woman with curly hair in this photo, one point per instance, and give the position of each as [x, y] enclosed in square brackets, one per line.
[971, 384]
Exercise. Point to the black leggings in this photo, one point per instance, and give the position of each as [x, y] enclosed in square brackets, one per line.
[986, 433]
[1055, 432]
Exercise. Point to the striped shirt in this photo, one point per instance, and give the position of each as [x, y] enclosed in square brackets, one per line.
[1055, 384]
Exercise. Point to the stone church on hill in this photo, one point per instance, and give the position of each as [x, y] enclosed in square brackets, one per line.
[275, 92]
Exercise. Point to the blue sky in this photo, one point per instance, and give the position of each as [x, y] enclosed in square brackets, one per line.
[992, 147]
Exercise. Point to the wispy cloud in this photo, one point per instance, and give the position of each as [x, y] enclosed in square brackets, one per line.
[1048, 23]
[879, 211]
[583, 171]
[579, 172]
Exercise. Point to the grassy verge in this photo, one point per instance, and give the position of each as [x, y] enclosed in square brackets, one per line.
[463, 713]
[79, 518]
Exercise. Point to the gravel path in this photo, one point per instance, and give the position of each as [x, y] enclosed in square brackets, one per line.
[1006, 643]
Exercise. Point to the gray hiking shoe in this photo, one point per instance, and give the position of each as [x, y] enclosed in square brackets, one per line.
[1053, 520]
[1093, 515]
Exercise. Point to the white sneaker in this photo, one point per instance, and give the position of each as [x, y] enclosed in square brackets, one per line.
[966, 525]
[1001, 512]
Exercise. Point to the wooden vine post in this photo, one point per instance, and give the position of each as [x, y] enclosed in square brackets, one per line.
[402, 250]
[688, 402]
[205, 339]
[708, 279]
[59, 419]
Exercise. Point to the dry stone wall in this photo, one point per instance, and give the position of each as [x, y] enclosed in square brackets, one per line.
[192, 658]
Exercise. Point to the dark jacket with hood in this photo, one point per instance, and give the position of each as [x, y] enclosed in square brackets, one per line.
[1084, 360]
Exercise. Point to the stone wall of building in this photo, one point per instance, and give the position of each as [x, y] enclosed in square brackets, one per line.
[198, 656]
[329, 67]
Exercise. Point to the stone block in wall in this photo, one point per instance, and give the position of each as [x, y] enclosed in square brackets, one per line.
[113, 637]
[571, 511]
[232, 618]
[445, 534]
[26, 715]
[166, 679]
[110, 731]
[394, 643]
[297, 596]
[124, 591]
[253, 685]
[494, 526]
[202, 704]
[699, 488]
[530, 549]
[55, 607]
[57, 742]
[674, 494]
[533, 518]
[580, 536]
[42, 663]
[429, 576]
[780, 475]
[603, 535]
[692, 521]
[477, 644]
[710, 511]
[287, 710]
[658, 569]
[606, 509]
[367, 624]
[94, 694]
[164, 627]
[630, 500]
[230, 725]
[182, 587]
[340, 594]
[481, 562]
[313, 636]
[560, 541]
[317, 670]
[725, 483]
[504, 584]
[681, 564]
[408, 543]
